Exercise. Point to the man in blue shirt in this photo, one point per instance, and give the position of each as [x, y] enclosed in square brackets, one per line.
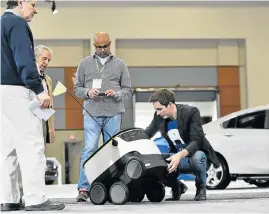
[181, 126]
[21, 131]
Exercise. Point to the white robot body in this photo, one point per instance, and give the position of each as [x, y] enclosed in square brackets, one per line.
[126, 168]
[109, 154]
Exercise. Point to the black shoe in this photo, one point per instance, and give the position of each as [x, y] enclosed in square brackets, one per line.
[46, 206]
[12, 207]
[177, 191]
[82, 196]
[184, 188]
[200, 194]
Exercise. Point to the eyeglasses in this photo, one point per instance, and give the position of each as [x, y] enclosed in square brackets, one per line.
[103, 47]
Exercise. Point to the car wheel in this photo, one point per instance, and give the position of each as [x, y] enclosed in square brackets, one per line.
[49, 182]
[218, 177]
[260, 183]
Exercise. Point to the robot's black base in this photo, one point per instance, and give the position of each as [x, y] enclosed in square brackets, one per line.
[131, 178]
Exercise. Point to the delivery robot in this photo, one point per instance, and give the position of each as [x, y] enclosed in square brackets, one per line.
[126, 168]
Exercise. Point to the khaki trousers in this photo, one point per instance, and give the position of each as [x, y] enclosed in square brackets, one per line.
[22, 143]
[44, 127]
[45, 130]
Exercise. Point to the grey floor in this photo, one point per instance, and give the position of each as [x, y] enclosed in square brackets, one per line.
[239, 197]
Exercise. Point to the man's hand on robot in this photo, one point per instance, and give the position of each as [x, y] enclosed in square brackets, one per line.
[174, 161]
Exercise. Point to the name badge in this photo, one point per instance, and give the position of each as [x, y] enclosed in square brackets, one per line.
[97, 83]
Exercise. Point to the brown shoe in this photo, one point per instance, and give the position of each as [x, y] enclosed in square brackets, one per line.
[12, 207]
[46, 206]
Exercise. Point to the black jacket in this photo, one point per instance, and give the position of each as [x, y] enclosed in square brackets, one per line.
[18, 65]
[190, 130]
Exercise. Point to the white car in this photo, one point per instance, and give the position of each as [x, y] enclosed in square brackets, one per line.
[241, 140]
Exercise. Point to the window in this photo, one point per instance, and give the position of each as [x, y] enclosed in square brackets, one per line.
[229, 124]
[256, 120]
[252, 121]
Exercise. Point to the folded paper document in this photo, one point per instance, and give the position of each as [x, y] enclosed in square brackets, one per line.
[41, 113]
[59, 89]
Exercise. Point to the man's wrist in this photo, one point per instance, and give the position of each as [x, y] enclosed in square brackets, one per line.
[179, 154]
[42, 93]
[116, 95]
[183, 153]
[86, 94]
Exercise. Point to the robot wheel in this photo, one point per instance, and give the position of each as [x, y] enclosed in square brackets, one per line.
[118, 193]
[134, 169]
[137, 194]
[155, 191]
[98, 193]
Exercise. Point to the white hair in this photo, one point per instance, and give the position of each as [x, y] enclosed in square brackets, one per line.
[40, 48]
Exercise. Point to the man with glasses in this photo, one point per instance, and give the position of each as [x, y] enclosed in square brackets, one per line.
[191, 152]
[43, 55]
[103, 82]
[21, 131]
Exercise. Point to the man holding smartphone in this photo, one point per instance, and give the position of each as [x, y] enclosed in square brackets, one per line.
[103, 82]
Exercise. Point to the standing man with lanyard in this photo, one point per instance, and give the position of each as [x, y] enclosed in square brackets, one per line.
[103, 82]
[21, 131]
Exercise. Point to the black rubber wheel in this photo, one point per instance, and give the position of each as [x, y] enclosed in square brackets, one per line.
[155, 192]
[98, 193]
[134, 169]
[218, 178]
[136, 194]
[49, 182]
[118, 193]
[137, 198]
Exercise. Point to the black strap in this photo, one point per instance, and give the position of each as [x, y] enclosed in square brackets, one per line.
[42, 76]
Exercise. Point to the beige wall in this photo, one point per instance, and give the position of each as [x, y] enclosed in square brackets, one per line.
[167, 52]
[157, 52]
[175, 22]
[66, 52]
[250, 23]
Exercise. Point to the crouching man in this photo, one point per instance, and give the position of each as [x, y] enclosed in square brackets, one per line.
[191, 152]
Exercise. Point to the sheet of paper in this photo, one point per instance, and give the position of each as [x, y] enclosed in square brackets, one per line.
[97, 83]
[41, 113]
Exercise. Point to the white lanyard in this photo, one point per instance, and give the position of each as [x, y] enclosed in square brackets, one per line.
[44, 83]
[100, 71]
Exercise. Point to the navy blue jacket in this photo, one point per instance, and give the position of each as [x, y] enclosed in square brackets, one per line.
[18, 65]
